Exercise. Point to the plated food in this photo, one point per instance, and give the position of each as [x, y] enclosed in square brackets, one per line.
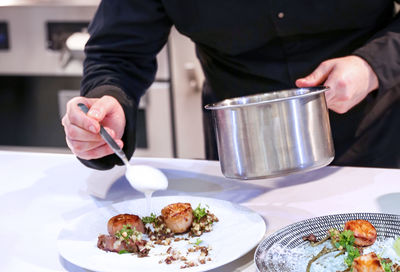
[343, 242]
[128, 233]
[124, 235]
[351, 242]
[77, 241]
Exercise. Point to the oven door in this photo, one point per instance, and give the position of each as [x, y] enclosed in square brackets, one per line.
[154, 130]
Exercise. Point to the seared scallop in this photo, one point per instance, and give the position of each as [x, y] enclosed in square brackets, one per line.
[364, 232]
[178, 217]
[116, 223]
[367, 263]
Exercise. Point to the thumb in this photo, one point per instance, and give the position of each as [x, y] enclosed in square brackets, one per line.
[317, 77]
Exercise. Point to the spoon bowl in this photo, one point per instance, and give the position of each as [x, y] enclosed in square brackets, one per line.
[145, 178]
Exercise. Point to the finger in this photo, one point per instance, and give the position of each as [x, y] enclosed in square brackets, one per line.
[102, 107]
[78, 134]
[333, 96]
[330, 94]
[317, 77]
[80, 147]
[82, 140]
[98, 152]
[78, 118]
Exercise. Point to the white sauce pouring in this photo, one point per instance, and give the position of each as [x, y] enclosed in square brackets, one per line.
[146, 179]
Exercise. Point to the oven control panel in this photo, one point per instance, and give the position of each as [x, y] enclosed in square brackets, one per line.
[4, 39]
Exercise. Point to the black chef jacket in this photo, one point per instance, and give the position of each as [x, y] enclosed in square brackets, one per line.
[248, 47]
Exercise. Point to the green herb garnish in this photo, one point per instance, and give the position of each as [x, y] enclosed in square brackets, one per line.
[125, 233]
[123, 251]
[149, 219]
[346, 238]
[386, 265]
[352, 253]
[199, 213]
[198, 242]
[345, 243]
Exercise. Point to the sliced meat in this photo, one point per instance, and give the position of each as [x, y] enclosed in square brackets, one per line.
[113, 244]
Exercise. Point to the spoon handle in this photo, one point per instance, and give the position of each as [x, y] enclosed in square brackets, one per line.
[107, 138]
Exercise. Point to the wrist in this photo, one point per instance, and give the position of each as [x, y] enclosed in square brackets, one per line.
[372, 78]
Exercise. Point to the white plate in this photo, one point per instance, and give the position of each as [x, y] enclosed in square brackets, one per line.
[238, 231]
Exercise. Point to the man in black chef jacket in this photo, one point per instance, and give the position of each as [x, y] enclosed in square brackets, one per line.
[247, 47]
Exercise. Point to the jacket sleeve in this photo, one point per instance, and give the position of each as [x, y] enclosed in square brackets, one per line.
[382, 52]
[125, 37]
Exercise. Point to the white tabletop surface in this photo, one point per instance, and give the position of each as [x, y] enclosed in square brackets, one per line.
[40, 193]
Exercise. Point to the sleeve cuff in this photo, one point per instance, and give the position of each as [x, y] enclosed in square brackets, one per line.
[382, 53]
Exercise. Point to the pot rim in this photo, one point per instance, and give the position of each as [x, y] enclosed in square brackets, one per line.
[229, 103]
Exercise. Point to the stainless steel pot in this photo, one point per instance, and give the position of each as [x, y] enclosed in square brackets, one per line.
[273, 134]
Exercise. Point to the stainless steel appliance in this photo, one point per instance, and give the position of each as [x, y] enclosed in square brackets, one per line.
[273, 134]
[38, 76]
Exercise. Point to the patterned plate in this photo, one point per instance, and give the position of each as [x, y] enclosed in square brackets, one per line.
[290, 237]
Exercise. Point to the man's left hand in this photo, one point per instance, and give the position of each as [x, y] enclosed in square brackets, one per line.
[350, 80]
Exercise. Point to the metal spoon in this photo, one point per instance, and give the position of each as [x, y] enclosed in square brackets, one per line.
[143, 178]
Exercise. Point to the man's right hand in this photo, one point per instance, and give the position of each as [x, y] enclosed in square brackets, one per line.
[82, 131]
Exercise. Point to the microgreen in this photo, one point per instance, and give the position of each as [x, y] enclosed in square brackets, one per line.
[346, 238]
[126, 232]
[199, 213]
[149, 219]
[344, 241]
[386, 265]
[352, 253]
[198, 241]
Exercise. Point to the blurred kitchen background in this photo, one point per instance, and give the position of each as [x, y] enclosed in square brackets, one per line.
[41, 56]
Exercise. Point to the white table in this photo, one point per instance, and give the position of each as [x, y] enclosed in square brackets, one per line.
[40, 192]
